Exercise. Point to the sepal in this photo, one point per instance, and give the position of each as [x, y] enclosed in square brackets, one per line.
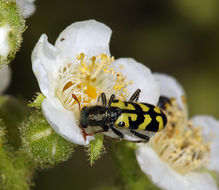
[95, 148]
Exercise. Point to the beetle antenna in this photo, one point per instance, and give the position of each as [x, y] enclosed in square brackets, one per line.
[76, 99]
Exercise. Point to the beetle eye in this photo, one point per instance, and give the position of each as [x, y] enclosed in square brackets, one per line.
[121, 124]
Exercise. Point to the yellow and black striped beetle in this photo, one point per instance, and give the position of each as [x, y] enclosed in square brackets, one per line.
[136, 117]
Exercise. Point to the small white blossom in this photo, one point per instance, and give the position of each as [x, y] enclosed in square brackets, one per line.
[4, 41]
[5, 77]
[27, 7]
[80, 65]
[174, 157]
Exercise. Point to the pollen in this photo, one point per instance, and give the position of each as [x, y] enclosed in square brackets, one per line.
[181, 144]
[86, 77]
[91, 92]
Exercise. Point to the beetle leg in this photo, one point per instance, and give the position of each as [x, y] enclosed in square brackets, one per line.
[112, 97]
[95, 132]
[103, 99]
[163, 102]
[142, 136]
[140, 141]
[105, 128]
[135, 96]
[117, 132]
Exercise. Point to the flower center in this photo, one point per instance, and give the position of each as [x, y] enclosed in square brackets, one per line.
[86, 78]
[91, 92]
[180, 144]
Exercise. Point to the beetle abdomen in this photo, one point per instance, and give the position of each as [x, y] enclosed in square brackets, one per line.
[140, 116]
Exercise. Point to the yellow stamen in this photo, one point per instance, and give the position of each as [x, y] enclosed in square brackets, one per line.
[180, 144]
[91, 92]
[86, 78]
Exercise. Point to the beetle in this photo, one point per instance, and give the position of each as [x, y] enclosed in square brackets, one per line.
[163, 102]
[139, 119]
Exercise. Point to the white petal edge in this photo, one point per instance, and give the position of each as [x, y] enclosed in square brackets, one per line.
[5, 77]
[45, 63]
[63, 121]
[169, 87]
[210, 132]
[27, 7]
[166, 178]
[141, 77]
[89, 37]
[4, 40]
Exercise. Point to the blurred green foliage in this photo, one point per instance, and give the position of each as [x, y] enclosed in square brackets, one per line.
[16, 169]
[131, 176]
[179, 38]
[12, 112]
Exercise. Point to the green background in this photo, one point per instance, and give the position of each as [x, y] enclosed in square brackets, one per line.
[180, 38]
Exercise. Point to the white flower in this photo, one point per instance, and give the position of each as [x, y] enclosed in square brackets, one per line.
[80, 64]
[4, 41]
[5, 77]
[175, 156]
[27, 7]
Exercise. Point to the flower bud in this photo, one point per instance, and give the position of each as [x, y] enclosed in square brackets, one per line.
[11, 29]
[42, 143]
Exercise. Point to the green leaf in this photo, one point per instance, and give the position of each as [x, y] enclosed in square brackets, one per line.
[96, 148]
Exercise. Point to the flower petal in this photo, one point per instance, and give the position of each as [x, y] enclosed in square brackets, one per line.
[4, 41]
[169, 87]
[44, 64]
[5, 77]
[27, 7]
[63, 121]
[210, 132]
[141, 77]
[88, 37]
[166, 178]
